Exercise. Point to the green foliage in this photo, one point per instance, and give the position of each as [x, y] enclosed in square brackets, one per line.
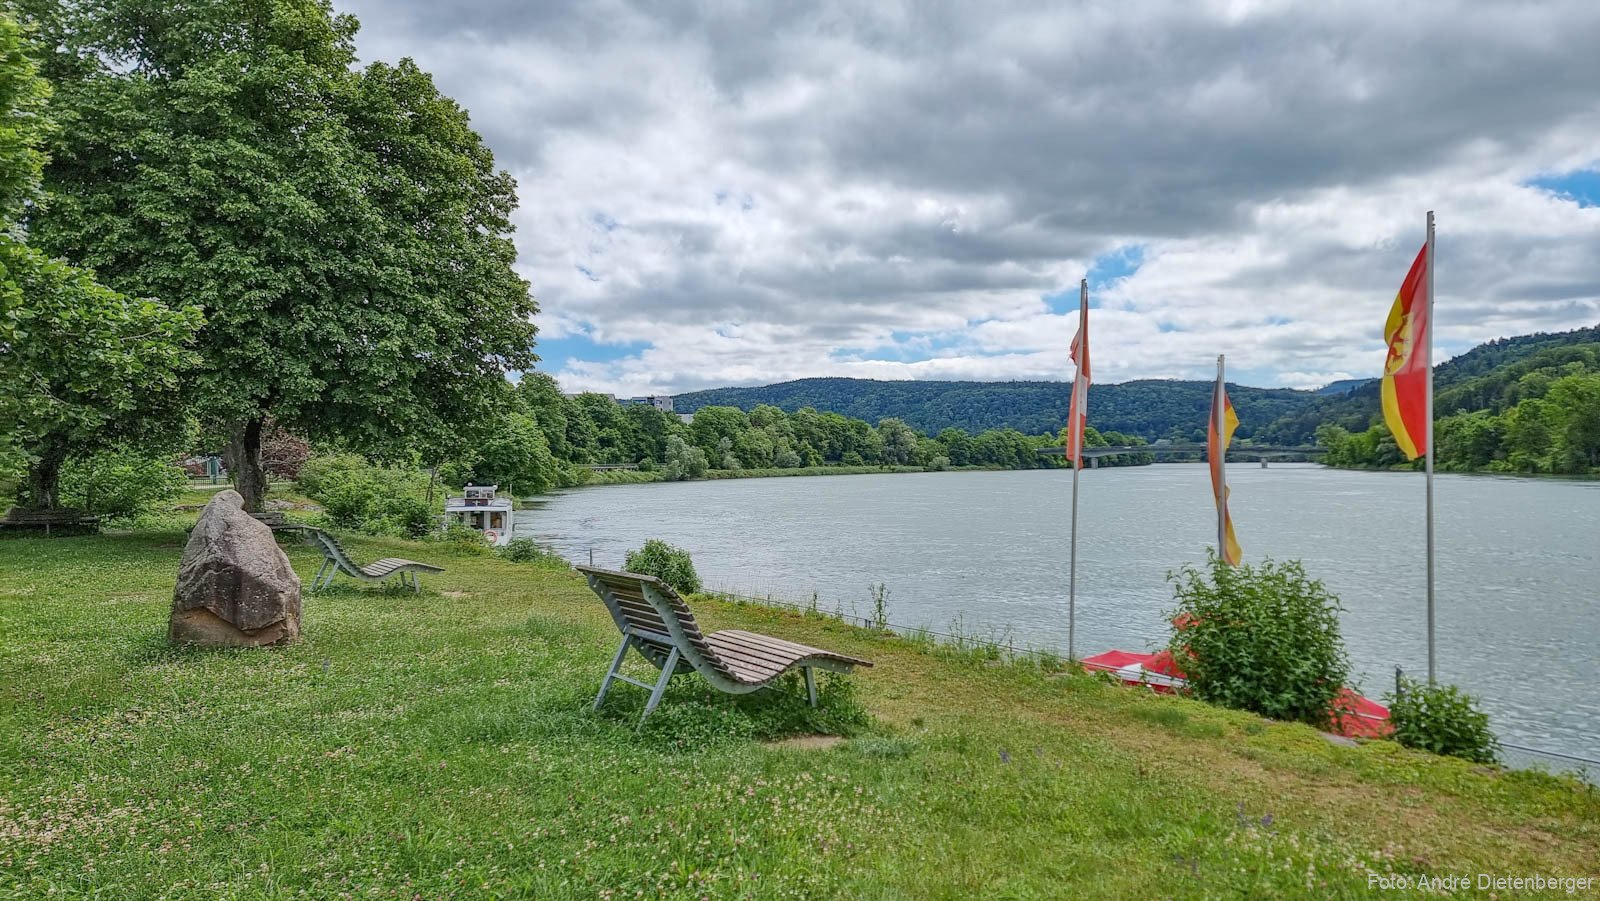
[1260, 638]
[82, 368]
[462, 539]
[1441, 719]
[667, 563]
[880, 606]
[1553, 426]
[526, 550]
[725, 442]
[1151, 409]
[121, 485]
[377, 500]
[343, 229]
[684, 461]
[23, 97]
[515, 456]
[1524, 404]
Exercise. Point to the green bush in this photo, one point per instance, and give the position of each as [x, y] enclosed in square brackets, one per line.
[526, 550]
[667, 563]
[357, 495]
[121, 485]
[462, 539]
[684, 461]
[1442, 719]
[1259, 638]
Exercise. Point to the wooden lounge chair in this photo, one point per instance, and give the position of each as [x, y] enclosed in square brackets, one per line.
[659, 625]
[336, 559]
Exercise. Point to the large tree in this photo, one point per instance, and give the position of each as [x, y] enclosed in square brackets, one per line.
[81, 367]
[345, 231]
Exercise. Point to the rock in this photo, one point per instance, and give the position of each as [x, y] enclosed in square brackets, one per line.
[235, 585]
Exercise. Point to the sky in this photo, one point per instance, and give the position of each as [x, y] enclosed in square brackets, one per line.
[723, 193]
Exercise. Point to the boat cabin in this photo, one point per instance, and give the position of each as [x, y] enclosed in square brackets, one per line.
[480, 510]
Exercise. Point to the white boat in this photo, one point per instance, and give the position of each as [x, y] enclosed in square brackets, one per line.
[478, 509]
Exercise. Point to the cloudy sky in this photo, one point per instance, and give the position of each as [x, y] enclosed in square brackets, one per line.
[724, 193]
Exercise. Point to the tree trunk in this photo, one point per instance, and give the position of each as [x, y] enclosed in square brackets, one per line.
[42, 490]
[243, 457]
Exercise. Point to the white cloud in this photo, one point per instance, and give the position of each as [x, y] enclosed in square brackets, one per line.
[766, 193]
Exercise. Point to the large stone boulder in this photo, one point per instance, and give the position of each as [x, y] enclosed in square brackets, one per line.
[235, 585]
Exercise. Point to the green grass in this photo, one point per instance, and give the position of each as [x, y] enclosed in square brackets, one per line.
[443, 746]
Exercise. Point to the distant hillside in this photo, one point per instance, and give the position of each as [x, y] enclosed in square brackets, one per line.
[1488, 377]
[1152, 409]
[1342, 387]
[1484, 378]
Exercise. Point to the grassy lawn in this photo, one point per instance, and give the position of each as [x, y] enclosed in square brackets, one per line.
[443, 745]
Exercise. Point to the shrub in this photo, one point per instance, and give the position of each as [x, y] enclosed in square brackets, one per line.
[526, 550]
[462, 539]
[667, 563]
[121, 485]
[784, 457]
[377, 500]
[684, 461]
[1259, 638]
[1442, 719]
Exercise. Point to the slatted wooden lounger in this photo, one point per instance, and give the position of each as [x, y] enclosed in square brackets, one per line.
[656, 622]
[336, 559]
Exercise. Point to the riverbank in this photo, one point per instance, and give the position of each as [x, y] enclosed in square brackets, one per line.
[639, 477]
[443, 744]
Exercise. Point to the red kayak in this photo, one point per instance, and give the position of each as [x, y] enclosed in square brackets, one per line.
[1353, 715]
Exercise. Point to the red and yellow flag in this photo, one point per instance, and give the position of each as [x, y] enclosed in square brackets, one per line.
[1217, 452]
[1078, 410]
[1405, 372]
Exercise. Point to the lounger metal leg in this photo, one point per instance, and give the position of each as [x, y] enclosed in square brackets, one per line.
[811, 686]
[416, 583]
[667, 670]
[616, 664]
[316, 580]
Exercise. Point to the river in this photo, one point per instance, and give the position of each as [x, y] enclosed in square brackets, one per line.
[985, 554]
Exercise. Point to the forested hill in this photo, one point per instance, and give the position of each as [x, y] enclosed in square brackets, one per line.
[1153, 409]
[1493, 377]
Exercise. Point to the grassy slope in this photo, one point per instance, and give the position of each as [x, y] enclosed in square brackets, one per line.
[443, 745]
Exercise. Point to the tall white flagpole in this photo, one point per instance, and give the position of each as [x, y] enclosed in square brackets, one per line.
[1221, 424]
[1427, 351]
[1077, 464]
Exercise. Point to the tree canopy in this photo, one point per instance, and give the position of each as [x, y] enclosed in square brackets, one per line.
[344, 231]
[1153, 409]
[82, 367]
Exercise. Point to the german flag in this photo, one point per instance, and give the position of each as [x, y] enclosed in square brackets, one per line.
[1217, 452]
[1406, 381]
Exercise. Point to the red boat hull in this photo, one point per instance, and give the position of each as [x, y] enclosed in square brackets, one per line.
[1352, 715]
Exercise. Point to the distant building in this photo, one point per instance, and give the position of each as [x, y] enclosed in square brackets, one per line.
[664, 404]
[660, 402]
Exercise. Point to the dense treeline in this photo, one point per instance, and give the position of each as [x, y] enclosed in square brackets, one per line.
[1531, 407]
[551, 436]
[1475, 380]
[1151, 409]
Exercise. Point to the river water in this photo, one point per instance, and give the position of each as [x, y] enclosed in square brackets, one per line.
[985, 554]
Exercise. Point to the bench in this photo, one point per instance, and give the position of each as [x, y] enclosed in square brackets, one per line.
[657, 623]
[335, 559]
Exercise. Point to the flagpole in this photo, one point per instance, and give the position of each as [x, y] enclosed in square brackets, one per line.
[1427, 351]
[1221, 425]
[1077, 464]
